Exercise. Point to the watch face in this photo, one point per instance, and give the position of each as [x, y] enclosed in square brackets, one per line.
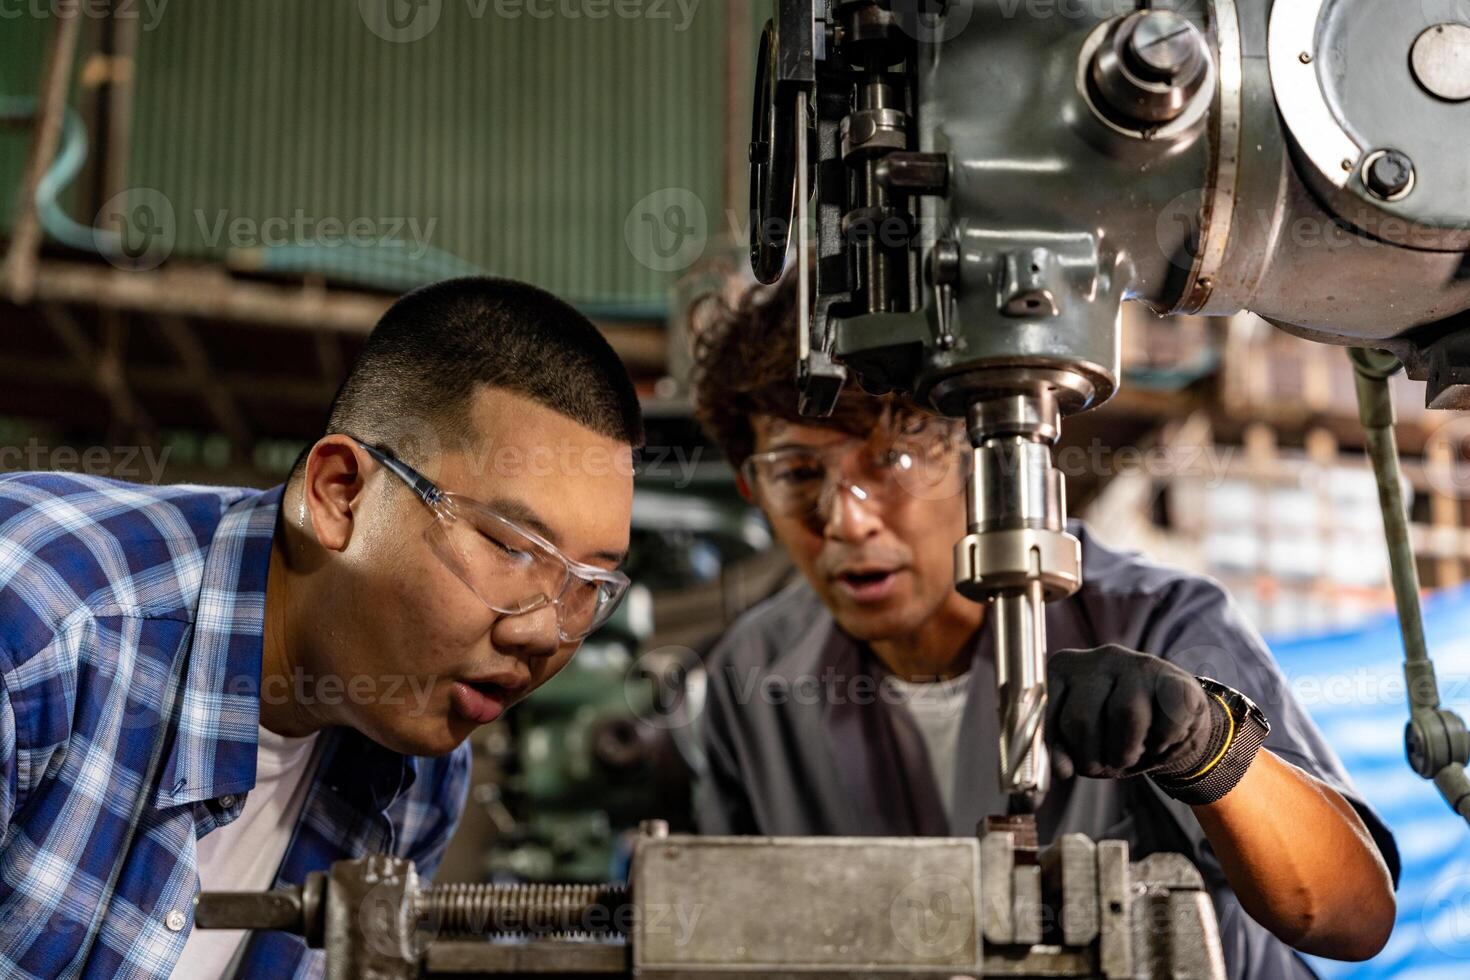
[1238, 702]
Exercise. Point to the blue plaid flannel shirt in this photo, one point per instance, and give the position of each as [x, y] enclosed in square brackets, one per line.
[130, 644]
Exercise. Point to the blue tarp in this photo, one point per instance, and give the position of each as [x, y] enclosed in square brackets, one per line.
[1352, 684]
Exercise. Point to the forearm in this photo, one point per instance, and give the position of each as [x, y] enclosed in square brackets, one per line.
[1301, 862]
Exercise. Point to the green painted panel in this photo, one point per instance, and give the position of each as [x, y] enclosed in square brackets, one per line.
[22, 54]
[515, 142]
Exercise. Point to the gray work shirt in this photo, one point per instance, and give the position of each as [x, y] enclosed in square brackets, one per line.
[802, 739]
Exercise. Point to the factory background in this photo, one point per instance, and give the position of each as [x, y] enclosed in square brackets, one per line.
[206, 205]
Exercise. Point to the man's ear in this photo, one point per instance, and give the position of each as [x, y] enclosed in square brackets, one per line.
[332, 489]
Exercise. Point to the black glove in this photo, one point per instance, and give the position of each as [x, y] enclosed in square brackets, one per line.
[1114, 713]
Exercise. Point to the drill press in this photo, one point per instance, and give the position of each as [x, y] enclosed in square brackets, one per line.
[974, 187]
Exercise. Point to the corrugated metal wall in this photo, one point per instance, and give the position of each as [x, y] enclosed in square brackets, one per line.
[519, 134]
[525, 139]
[22, 50]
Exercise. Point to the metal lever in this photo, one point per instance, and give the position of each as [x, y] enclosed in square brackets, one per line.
[1435, 738]
[943, 267]
[251, 910]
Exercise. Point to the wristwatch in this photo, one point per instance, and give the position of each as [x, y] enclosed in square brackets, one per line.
[1241, 730]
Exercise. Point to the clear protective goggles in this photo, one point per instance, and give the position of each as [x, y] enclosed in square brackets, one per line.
[909, 454]
[511, 569]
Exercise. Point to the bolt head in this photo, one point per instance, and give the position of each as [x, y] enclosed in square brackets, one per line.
[1414, 748]
[1165, 45]
[1389, 174]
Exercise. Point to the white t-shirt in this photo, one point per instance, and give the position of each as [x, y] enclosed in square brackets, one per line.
[937, 708]
[245, 854]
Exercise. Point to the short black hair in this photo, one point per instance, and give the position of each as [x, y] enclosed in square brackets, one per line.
[435, 346]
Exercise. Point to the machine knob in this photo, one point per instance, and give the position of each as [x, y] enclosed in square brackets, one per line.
[1150, 67]
[1389, 174]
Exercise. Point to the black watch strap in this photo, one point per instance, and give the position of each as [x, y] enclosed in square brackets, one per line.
[1247, 728]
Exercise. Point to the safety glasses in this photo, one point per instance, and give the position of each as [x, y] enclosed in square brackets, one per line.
[907, 455]
[511, 569]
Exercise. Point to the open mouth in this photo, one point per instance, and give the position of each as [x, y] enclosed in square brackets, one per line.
[490, 689]
[865, 578]
[480, 701]
[867, 584]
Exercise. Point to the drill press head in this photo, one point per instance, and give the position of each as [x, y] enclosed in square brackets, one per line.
[976, 186]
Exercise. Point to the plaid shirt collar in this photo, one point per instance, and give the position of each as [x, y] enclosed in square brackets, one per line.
[216, 740]
[215, 743]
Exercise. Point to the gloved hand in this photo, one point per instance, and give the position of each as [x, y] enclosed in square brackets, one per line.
[1113, 713]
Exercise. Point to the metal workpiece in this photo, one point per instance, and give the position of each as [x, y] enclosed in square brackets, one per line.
[742, 906]
[1070, 869]
[722, 908]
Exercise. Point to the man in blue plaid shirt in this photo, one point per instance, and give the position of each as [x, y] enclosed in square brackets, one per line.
[228, 689]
